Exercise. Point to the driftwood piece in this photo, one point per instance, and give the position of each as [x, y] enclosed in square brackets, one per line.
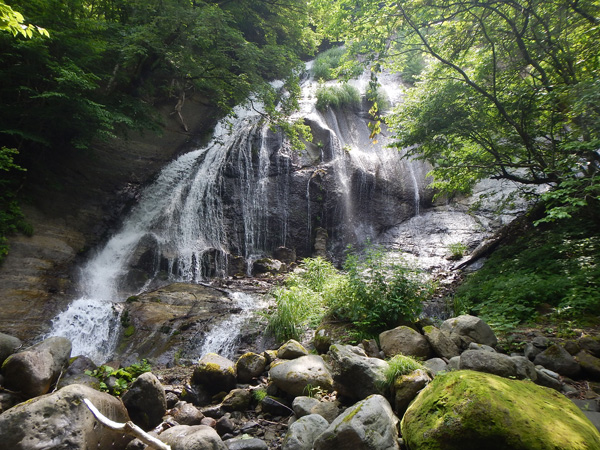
[127, 428]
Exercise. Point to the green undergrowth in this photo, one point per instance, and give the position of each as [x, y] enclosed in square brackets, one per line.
[331, 64]
[550, 268]
[372, 293]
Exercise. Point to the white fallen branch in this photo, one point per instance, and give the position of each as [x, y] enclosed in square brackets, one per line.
[127, 428]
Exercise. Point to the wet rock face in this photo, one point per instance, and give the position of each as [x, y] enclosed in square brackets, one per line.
[175, 318]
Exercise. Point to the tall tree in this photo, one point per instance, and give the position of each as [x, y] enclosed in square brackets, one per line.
[510, 91]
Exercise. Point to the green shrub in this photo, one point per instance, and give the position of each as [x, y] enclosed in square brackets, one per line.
[371, 293]
[342, 96]
[380, 293]
[457, 250]
[331, 62]
[556, 265]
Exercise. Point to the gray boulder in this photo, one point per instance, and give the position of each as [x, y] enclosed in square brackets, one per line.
[295, 375]
[441, 344]
[406, 341]
[590, 365]
[303, 406]
[285, 255]
[302, 433]
[525, 368]
[436, 365]
[237, 400]
[454, 363]
[488, 362]
[557, 359]
[291, 349]
[466, 329]
[62, 420]
[8, 345]
[406, 388]
[368, 425]
[146, 401]
[250, 365]
[548, 378]
[33, 371]
[185, 437]
[355, 375]
[185, 413]
[591, 344]
[268, 265]
[215, 373]
[482, 347]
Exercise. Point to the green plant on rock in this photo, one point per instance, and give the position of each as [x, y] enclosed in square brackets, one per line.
[372, 294]
[342, 96]
[399, 365]
[380, 292]
[118, 381]
[457, 250]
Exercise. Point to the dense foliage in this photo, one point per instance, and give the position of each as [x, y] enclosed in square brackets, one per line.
[373, 293]
[552, 269]
[97, 69]
[510, 89]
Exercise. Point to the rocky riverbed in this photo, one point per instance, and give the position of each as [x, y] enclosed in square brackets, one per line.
[468, 393]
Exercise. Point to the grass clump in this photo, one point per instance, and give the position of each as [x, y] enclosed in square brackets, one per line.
[400, 365]
[556, 265]
[342, 96]
[331, 63]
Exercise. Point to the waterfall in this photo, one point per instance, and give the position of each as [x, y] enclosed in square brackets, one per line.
[240, 197]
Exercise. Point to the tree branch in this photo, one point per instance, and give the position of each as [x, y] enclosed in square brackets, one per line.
[127, 428]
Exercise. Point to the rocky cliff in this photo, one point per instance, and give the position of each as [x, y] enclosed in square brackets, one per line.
[73, 202]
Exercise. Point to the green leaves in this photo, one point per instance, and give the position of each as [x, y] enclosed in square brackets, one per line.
[502, 88]
[12, 21]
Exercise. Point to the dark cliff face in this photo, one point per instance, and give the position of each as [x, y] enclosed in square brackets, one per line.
[72, 203]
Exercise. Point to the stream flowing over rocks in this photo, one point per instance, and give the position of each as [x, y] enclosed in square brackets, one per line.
[290, 399]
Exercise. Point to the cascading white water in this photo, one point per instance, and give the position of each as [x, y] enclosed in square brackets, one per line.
[181, 214]
[223, 338]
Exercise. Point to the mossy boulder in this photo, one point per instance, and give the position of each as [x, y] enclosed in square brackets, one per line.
[468, 410]
[215, 373]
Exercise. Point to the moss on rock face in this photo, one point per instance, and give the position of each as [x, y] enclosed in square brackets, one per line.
[469, 410]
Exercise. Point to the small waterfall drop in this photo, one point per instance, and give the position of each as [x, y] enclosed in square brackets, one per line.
[224, 336]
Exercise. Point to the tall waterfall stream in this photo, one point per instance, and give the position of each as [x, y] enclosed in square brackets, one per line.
[247, 193]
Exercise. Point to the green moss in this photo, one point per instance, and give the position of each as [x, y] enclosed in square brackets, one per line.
[428, 329]
[471, 410]
[129, 331]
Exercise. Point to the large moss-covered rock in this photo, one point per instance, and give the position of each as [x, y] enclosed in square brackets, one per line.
[468, 410]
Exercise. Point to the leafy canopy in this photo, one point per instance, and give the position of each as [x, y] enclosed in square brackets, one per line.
[510, 88]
